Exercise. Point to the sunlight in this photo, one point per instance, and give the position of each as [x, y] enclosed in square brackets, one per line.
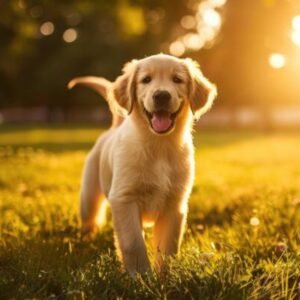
[204, 26]
[101, 215]
[277, 60]
[296, 23]
[217, 3]
[211, 18]
[295, 36]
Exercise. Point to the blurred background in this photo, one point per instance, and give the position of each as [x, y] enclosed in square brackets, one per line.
[250, 49]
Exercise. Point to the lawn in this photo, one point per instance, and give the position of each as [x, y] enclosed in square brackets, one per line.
[242, 239]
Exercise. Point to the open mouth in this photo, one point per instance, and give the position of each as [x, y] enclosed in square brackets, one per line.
[162, 121]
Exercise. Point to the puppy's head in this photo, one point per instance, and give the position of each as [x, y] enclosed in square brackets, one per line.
[160, 89]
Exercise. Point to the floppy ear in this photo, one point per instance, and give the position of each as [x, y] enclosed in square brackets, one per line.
[201, 91]
[99, 84]
[124, 88]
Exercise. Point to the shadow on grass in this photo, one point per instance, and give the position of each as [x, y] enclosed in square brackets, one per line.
[47, 263]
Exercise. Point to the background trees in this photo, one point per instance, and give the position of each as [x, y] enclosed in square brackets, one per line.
[45, 43]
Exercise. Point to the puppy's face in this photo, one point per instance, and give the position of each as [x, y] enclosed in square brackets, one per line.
[160, 87]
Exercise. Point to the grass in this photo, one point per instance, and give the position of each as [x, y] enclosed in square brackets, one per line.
[242, 239]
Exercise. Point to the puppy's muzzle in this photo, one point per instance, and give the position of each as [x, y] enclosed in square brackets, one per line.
[161, 99]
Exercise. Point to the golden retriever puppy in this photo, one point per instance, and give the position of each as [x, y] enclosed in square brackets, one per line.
[144, 164]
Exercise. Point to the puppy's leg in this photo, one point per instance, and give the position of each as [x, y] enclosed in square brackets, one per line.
[91, 198]
[168, 231]
[129, 237]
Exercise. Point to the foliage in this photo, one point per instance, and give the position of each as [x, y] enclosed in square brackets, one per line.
[34, 69]
[242, 239]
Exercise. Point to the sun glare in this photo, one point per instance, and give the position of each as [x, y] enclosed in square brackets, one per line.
[277, 60]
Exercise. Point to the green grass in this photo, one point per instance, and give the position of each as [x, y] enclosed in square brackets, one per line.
[242, 178]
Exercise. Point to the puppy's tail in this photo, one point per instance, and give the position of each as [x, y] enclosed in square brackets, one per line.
[103, 87]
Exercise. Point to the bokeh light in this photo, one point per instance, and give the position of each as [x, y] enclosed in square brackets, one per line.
[277, 60]
[217, 3]
[177, 48]
[211, 18]
[254, 221]
[204, 28]
[70, 35]
[193, 41]
[47, 28]
[296, 23]
[295, 36]
[188, 22]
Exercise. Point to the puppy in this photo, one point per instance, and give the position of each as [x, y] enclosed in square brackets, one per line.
[144, 164]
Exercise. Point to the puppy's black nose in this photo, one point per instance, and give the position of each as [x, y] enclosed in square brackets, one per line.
[161, 99]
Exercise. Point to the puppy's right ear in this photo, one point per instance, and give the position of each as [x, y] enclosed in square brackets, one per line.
[99, 84]
[124, 88]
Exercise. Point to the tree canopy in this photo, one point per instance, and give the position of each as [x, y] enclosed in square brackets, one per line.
[43, 44]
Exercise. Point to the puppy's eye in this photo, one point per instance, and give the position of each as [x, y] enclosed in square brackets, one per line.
[146, 79]
[177, 79]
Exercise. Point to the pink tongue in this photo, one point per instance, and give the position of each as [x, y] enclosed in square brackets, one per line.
[161, 123]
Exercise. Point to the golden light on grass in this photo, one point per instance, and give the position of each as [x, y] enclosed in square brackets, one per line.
[47, 28]
[277, 60]
[70, 35]
[254, 221]
[177, 48]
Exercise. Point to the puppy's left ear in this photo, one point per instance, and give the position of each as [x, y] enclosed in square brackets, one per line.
[124, 88]
[202, 92]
